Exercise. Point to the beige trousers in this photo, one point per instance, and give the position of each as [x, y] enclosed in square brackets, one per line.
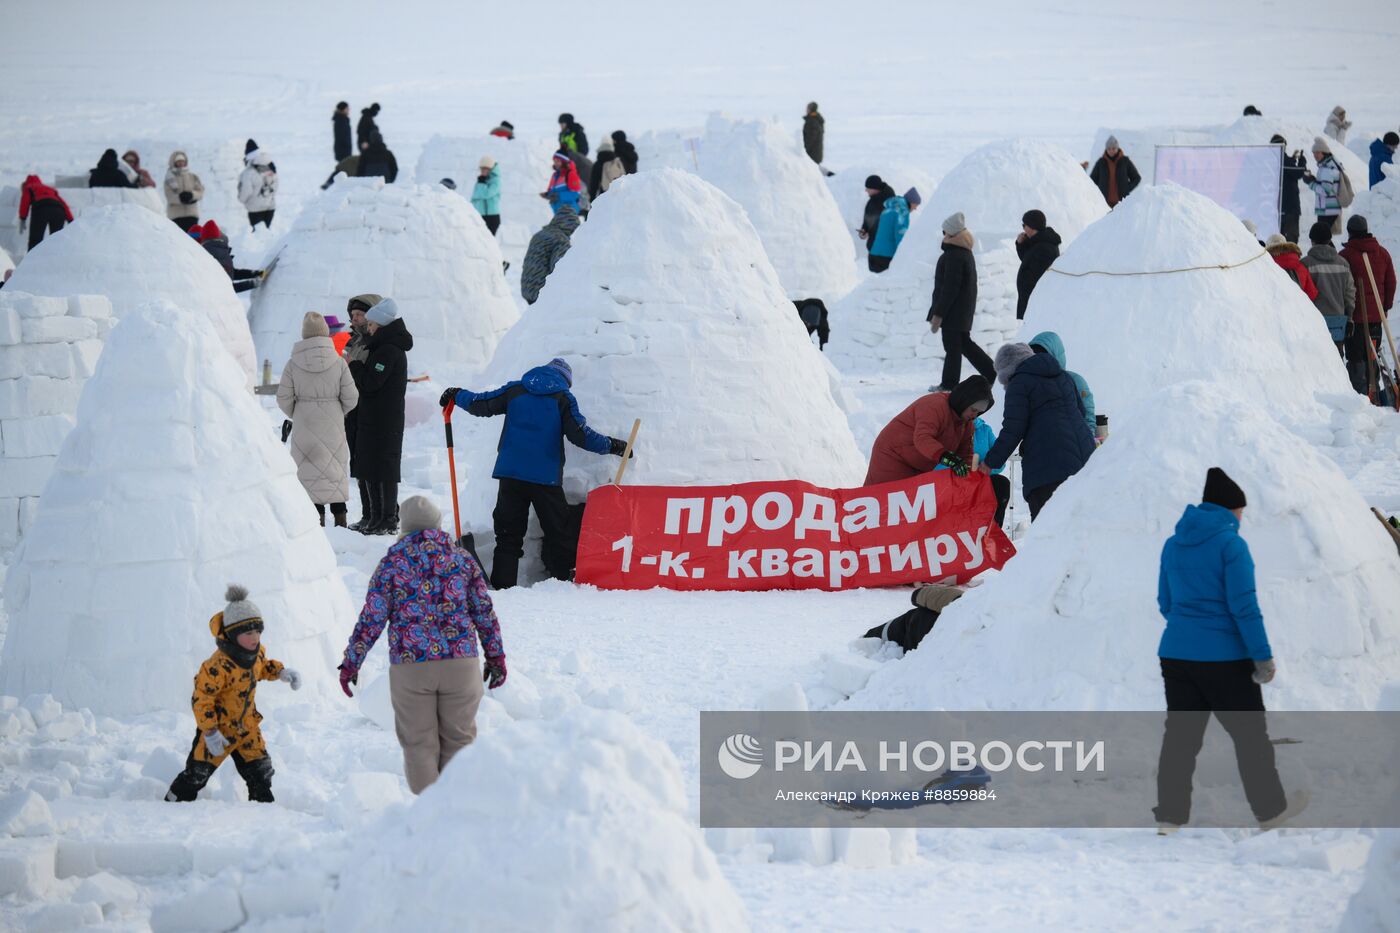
[435, 705]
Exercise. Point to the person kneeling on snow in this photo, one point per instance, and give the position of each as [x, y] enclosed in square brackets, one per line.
[540, 412]
[432, 597]
[908, 629]
[225, 712]
[1214, 655]
[935, 429]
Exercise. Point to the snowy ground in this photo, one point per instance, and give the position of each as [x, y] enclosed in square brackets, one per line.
[906, 83]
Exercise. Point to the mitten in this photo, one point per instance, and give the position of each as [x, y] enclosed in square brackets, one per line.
[348, 676]
[1264, 671]
[495, 671]
[955, 463]
[617, 447]
[449, 395]
[215, 743]
[289, 676]
[186, 197]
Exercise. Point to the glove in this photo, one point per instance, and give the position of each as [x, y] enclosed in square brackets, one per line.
[934, 324]
[289, 676]
[186, 197]
[495, 671]
[448, 396]
[215, 743]
[286, 430]
[955, 463]
[348, 676]
[1264, 671]
[617, 447]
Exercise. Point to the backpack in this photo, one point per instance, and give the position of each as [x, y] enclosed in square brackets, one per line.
[1345, 193]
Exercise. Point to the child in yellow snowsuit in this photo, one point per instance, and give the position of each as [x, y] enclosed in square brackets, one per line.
[226, 716]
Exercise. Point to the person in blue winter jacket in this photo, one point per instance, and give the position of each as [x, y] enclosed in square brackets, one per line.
[1214, 655]
[1382, 153]
[486, 193]
[894, 222]
[1050, 342]
[540, 412]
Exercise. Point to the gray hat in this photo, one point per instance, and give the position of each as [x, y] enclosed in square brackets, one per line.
[1321, 145]
[417, 513]
[1357, 226]
[240, 613]
[954, 225]
[1111, 142]
[1009, 357]
[386, 312]
[314, 325]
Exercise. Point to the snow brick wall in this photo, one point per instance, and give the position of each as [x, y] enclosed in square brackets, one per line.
[422, 245]
[171, 486]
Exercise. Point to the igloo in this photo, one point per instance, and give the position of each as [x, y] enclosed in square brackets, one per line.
[630, 860]
[884, 320]
[668, 311]
[134, 256]
[787, 200]
[171, 486]
[1132, 323]
[1072, 622]
[524, 163]
[423, 245]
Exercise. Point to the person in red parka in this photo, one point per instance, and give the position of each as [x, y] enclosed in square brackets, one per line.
[50, 212]
[936, 429]
[1361, 247]
[1289, 258]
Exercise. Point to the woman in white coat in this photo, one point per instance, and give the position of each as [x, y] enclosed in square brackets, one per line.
[257, 188]
[317, 393]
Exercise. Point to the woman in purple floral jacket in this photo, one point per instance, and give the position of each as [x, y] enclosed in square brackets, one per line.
[432, 596]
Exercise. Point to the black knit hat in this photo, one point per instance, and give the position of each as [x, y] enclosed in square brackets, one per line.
[1320, 232]
[1034, 219]
[1222, 491]
[1357, 226]
[969, 392]
[1278, 140]
[874, 181]
[618, 136]
[1391, 139]
[566, 118]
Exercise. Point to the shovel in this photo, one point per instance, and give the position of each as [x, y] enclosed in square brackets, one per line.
[465, 542]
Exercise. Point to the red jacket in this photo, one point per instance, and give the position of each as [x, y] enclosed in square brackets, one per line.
[568, 178]
[917, 438]
[1290, 260]
[1381, 267]
[32, 191]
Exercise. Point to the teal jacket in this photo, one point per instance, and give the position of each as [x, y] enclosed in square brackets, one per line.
[894, 221]
[486, 196]
[1053, 345]
[983, 438]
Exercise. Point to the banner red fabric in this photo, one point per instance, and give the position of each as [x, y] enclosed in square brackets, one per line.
[791, 535]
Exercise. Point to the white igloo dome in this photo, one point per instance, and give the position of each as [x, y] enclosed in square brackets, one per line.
[1072, 622]
[134, 257]
[628, 857]
[170, 487]
[422, 245]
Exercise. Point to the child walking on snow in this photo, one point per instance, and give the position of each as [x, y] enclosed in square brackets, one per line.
[225, 712]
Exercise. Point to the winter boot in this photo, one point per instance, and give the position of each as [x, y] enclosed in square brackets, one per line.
[189, 782]
[321, 513]
[1297, 803]
[366, 509]
[257, 774]
[388, 509]
[338, 512]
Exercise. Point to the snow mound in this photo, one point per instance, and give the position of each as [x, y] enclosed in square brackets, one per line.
[134, 256]
[787, 200]
[1381, 208]
[170, 487]
[1073, 623]
[420, 244]
[883, 321]
[1130, 334]
[627, 858]
[525, 166]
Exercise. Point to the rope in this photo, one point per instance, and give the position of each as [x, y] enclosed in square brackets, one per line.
[1232, 265]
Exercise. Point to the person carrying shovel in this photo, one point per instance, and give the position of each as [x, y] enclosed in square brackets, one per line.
[540, 412]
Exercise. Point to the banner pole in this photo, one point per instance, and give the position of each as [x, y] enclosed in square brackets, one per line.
[627, 454]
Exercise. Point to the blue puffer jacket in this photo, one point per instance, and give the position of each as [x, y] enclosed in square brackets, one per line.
[540, 412]
[1056, 347]
[983, 437]
[486, 195]
[1044, 416]
[1206, 591]
[894, 221]
[1380, 155]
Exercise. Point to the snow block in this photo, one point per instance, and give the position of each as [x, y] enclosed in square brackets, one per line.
[43, 707]
[60, 918]
[862, 847]
[25, 477]
[211, 909]
[27, 867]
[10, 330]
[36, 306]
[41, 436]
[114, 895]
[276, 894]
[25, 814]
[813, 845]
[56, 329]
[96, 307]
[365, 793]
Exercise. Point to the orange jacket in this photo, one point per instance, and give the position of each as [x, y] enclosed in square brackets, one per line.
[917, 439]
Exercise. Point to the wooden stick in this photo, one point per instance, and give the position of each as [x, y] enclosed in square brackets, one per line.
[627, 454]
[1385, 324]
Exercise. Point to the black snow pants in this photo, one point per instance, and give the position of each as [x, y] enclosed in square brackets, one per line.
[45, 217]
[256, 773]
[956, 345]
[260, 217]
[511, 519]
[907, 629]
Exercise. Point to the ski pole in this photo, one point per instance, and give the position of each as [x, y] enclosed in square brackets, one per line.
[452, 466]
[627, 454]
[1385, 323]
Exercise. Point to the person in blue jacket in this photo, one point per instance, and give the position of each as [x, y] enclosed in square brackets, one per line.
[1050, 342]
[1044, 416]
[486, 193]
[894, 222]
[1214, 655]
[540, 412]
[1382, 153]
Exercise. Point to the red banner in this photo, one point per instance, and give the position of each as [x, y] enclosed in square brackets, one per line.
[789, 535]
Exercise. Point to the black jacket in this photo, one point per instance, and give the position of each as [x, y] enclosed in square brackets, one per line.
[366, 127]
[341, 123]
[627, 153]
[1043, 409]
[814, 136]
[383, 381]
[873, 209]
[108, 174]
[954, 288]
[1294, 167]
[595, 174]
[1128, 176]
[1037, 253]
[377, 160]
[580, 139]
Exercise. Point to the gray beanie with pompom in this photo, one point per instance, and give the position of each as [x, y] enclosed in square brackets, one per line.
[240, 613]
